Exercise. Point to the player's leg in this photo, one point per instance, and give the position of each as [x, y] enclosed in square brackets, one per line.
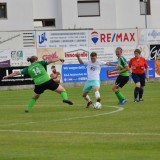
[136, 80]
[86, 89]
[63, 94]
[119, 83]
[54, 86]
[141, 90]
[96, 87]
[32, 102]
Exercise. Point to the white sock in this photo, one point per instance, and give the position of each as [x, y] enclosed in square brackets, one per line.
[87, 98]
[97, 94]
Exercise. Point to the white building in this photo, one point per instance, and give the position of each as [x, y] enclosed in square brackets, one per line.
[78, 14]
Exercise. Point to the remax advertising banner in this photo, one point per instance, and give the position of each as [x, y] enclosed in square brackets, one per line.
[112, 37]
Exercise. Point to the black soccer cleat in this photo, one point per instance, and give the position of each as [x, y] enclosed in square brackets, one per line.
[68, 102]
[88, 104]
[26, 111]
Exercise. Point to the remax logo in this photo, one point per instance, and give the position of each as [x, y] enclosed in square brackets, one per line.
[112, 37]
[94, 37]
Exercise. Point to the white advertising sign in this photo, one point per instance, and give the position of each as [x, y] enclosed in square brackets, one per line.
[15, 40]
[61, 39]
[112, 37]
[104, 53]
[70, 55]
[149, 36]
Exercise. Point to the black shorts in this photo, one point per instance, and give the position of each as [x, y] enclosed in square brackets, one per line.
[139, 78]
[121, 81]
[51, 85]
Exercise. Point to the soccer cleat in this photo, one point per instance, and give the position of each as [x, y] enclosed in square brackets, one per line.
[140, 100]
[68, 102]
[98, 100]
[88, 104]
[27, 111]
[136, 100]
[122, 102]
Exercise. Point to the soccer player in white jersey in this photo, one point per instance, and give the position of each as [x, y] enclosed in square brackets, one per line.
[93, 81]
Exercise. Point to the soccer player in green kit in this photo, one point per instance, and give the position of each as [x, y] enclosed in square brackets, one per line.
[41, 80]
[123, 78]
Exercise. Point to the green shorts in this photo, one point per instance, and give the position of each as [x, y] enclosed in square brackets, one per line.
[91, 84]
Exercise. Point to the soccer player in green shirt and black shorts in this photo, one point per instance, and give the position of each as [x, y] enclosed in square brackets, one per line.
[123, 77]
[41, 80]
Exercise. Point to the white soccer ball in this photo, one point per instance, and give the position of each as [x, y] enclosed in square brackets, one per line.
[97, 105]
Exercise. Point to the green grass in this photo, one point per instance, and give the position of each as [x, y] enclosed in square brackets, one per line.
[56, 131]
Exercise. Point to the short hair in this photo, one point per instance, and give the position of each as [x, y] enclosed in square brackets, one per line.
[137, 51]
[53, 67]
[93, 54]
[119, 48]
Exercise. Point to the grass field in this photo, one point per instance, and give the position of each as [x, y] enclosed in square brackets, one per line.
[56, 131]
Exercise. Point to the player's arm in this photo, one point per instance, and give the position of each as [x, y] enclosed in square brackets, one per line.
[147, 70]
[55, 60]
[147, 74]
[126, 68]
[113, 64]
[79, 59]
[16, 73]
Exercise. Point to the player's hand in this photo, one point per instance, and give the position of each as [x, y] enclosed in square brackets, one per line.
[5, 77]
[147, 77]
[62, 60]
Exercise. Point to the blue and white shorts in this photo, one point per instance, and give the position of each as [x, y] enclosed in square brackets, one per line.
[91, 84]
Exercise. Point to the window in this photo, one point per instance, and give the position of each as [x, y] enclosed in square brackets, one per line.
[88, 8]
[145, 7]
[44, 22]
[3, 10]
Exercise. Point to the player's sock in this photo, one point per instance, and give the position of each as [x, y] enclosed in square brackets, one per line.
[30, 104]
[119, 95]
[140, 93]
[87, 98]
[136, 92]
[64, 95]
[97, 95]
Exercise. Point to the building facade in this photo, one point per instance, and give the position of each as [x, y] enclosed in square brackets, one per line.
[78, 14]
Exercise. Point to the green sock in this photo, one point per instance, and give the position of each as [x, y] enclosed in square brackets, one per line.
[31, 104]
[119, 95]
[64, 95]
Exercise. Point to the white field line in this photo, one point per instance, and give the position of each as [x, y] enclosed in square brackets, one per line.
[67, 119]
[82, 133]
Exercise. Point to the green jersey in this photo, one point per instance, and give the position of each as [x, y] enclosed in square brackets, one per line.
[37, 72]
[122, 61]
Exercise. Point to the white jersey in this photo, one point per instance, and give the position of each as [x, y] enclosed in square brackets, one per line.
[93, 69]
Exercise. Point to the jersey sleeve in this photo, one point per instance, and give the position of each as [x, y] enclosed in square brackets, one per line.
[24, 71]
[43, 63]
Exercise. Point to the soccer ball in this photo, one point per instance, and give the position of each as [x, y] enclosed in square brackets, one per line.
[97, 105]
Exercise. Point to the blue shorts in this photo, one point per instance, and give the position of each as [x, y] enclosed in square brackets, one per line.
[139, 78]
[91, 84]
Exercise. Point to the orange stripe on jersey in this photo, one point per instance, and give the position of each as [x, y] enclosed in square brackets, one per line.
[138, 65]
